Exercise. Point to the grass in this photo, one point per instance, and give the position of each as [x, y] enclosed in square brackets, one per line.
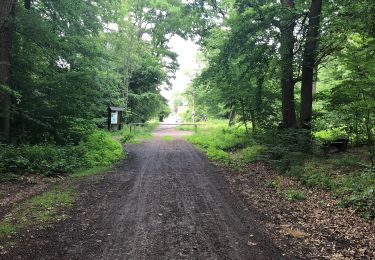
[347, 175]
[137, 134]
[90, 171]
[294, 194]
[168, 138]
[38, 211]
[218, 155]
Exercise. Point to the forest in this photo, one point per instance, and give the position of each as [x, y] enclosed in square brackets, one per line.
[276, 156]
[288, 75]
[292, 79]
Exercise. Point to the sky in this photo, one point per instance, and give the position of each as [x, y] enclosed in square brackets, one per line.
[187, 58]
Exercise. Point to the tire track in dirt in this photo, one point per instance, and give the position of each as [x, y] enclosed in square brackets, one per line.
[166, 201]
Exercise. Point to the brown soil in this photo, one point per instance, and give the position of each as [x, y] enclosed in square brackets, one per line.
[166, 201]
[12, 193]
[317, 223]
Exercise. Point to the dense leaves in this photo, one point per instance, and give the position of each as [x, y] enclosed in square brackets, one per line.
[72, 59]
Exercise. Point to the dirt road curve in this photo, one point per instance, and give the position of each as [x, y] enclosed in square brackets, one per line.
[166, 201]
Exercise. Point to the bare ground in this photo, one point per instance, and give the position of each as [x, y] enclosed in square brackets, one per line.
[166, 201]
[13, 193]
[315, 228]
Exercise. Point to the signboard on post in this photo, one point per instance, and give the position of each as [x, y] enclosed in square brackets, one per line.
[115, 118]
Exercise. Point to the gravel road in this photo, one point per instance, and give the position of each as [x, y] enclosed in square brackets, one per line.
[165, 201]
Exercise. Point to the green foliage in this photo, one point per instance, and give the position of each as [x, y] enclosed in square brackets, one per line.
[294, 194]
[167, 138]
[363, 202]
[219, 137]
[329, 134]
[6, 229]
[41, 159]
[89, 171]
[137, 133]
[96, 150]
[72, 59]
[276, 184]
[348, 175]
[101, 149]
[218, 155]
[252, 153]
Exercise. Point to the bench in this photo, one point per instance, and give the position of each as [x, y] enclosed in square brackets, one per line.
[341, 144]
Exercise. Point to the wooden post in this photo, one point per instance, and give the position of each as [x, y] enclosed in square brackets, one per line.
[109, 119]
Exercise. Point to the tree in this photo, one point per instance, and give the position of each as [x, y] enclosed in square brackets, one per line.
[287, 25]
[7, 13]
[309, 63]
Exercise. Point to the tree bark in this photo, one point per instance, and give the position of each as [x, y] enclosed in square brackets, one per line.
[244, 118]
[287, 76]
[308, 64]
[232, 115]
[27, 4]
[7, 12]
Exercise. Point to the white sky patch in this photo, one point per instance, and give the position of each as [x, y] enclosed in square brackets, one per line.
[187, 58]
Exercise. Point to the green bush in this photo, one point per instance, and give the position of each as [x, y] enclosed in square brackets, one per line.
[101, 149]
[48, 159]
[127, 136]
[294, 194]
[223, 138]
[363, 202]
[218, 155]
[330, 134]
[138, 132]
[252, 153]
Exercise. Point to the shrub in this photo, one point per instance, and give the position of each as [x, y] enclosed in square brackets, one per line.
[48, 159]
[101, 149]
[126, 137]
[218, 155]
[294, 194]
[330, 133]
[252, 153]
[363, 202]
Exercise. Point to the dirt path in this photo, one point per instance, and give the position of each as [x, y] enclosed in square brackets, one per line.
[166, 201]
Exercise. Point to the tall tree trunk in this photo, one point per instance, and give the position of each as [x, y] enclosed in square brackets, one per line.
[27, 4]
[232, 115]
[287, 77]
[244, 118]
[253, 120]
[308, 64]
[7, 12]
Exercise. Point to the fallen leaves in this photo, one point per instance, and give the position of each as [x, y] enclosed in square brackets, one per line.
[315, 228]
[289, 232]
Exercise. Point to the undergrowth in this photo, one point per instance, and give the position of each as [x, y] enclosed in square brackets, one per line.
[38, 211]
[97, 149]
[93, 155]
[347, 175]
[136, 133]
